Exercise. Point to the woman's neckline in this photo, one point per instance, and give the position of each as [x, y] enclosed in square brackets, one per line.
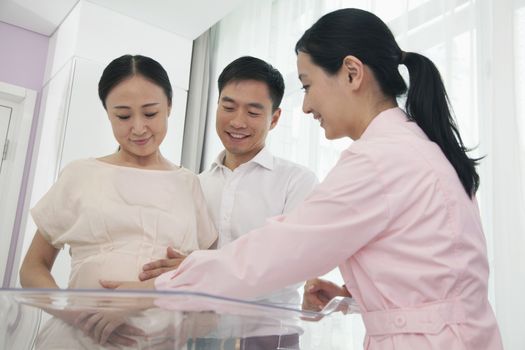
[102, 162]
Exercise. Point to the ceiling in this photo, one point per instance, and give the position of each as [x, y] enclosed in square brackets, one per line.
[186, 18]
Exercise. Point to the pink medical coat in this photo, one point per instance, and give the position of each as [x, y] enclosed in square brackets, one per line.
[395, 218]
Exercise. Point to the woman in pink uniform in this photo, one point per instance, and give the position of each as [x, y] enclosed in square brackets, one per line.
[397, 213]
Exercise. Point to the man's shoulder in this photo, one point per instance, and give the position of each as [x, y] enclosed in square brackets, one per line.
[298, 176]
[285, 165]
[210, 178]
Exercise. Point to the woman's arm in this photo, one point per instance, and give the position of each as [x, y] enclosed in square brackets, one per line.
[100, 326]
[36, 268]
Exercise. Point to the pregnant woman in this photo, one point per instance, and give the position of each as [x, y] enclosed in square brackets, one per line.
[120, 211]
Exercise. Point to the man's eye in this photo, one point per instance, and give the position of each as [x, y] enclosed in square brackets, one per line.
[228, 109]
[123, 117]
[150, 115]
[305, 88]
[254, 114]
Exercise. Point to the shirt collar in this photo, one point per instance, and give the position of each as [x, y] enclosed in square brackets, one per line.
[384, 121]
[219, 161]
[264, 158]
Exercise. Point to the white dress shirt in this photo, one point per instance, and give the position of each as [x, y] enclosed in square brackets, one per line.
[241, 200]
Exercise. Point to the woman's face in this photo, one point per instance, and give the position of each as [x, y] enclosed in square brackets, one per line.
[325, 97]
[138, 110]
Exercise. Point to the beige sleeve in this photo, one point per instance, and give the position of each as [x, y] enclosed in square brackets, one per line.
[206, 232]
[54, 214]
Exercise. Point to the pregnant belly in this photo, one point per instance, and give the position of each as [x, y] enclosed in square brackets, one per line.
[117, 266]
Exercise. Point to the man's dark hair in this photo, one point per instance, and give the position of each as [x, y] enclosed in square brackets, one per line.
[251, 68]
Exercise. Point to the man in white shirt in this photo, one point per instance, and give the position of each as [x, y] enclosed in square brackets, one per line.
[246, 184]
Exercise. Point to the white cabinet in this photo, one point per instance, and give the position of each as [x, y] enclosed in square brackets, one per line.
[16, 114]
[5, 119]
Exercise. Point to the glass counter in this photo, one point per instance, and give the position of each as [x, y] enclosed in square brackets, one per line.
[78, 319]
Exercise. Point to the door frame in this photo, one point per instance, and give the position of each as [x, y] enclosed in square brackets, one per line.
[23, 102]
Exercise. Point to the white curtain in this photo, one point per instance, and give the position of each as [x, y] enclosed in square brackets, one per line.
[479, 48]
[197, 105]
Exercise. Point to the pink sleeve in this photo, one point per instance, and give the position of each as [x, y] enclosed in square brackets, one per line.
[343, 214]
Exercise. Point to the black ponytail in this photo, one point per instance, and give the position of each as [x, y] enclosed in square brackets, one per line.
[427, 104]
[365, 36]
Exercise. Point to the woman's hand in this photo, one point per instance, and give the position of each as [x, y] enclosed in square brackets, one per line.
[128, 285]
[107, 327]
[100, 326]
[318, 292]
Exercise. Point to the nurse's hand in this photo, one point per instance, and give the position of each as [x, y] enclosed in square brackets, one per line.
[158, 267]
[318, 292]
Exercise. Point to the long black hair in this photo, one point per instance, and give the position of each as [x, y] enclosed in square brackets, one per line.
[365, 36]
[126, 66]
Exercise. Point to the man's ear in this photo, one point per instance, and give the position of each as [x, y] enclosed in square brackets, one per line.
[275, 118]
[169, 111]
[353, 70]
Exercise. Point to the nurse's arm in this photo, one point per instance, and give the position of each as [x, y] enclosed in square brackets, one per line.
[343, 214]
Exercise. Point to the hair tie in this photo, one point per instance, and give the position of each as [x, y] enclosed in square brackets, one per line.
[402, 57]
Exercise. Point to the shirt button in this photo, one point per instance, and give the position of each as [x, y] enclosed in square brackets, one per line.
[400, 321]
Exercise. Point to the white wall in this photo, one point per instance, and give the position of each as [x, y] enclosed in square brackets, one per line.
[73, 123]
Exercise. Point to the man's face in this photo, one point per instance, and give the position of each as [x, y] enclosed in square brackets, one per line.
[244, 117]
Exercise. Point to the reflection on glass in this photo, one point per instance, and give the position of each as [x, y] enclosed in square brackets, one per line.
[180, 320]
